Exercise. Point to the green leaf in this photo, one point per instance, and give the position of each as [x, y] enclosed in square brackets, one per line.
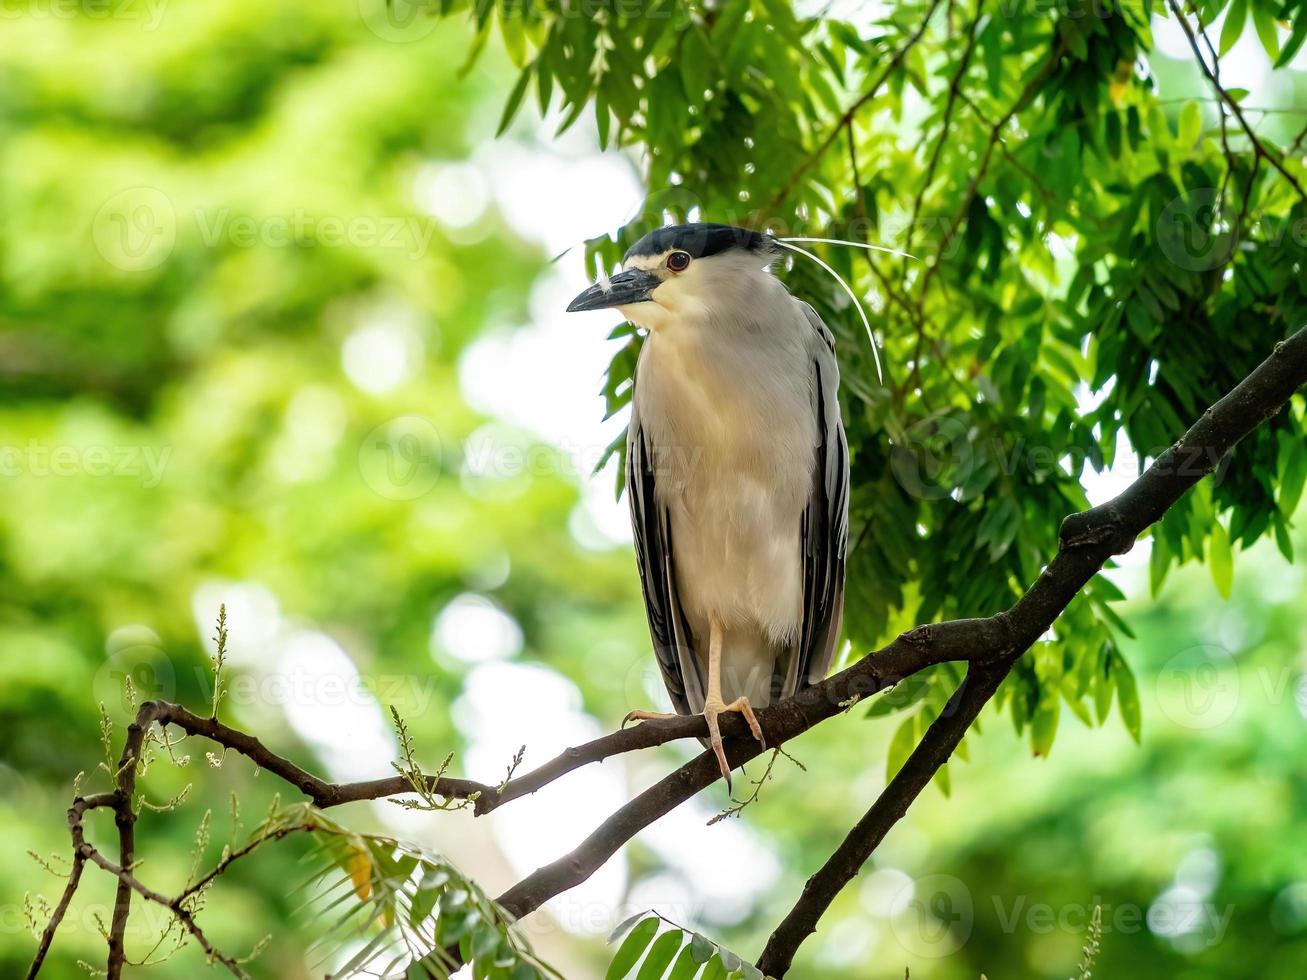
[685, 966]
[1235, 18]
[1293, 469]
[423, 902]
[625, 925]
[903, 695]
[1264, 21]
[1221, 558]
[1102, 691]
[1282, 539]
[514, 100]
[901, 746]
[632, 949]
[941, 779]
[1043, 725]
[715, 970]
[455, 927]
[1296, 38]
[1127, 696]
[1113, 133]
[661, 955]
[1190, 125]
[510, 28]
[698, 65]
[485, 941]
[702, 948]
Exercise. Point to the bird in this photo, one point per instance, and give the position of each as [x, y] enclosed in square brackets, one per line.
[737, 471]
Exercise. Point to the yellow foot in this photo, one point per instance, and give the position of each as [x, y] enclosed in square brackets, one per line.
[646, 716]
[710, 712]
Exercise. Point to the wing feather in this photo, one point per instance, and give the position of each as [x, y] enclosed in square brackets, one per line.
[668, 626]
[824, 528]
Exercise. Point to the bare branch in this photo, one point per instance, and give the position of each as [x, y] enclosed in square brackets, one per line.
[934, 750]
[130, 881]
[74, 879]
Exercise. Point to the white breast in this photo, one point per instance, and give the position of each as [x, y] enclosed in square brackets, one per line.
[729, 421]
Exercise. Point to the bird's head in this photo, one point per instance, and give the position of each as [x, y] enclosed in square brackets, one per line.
[681, 270]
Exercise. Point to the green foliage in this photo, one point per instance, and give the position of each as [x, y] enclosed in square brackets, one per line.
[666, 951]
[399, 907]
[1093, 944]
[411, 771]
[408, 909]
[1099, 264]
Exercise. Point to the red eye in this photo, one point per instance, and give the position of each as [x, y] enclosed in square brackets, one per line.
[678, 261]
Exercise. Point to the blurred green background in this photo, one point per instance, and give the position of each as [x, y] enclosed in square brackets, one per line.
[279, 328]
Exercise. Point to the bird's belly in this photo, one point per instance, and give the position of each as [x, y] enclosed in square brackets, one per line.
[732, 442]
[737, 553]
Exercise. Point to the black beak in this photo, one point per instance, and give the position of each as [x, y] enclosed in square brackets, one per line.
[631, 286]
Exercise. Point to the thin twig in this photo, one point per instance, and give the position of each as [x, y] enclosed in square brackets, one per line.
[125, 877]
[852, 111]
[995, 136]
[1259, 148]
[955, 86]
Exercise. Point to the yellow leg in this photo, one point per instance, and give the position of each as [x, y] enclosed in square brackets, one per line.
[713, 705]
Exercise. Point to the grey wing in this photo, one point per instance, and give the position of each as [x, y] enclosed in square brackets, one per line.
[825, 523]
[668, 627]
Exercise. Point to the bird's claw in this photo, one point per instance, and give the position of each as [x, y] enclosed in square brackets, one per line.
[645, 716]
[711, 710]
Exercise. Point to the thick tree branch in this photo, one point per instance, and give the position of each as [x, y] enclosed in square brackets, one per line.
[1088, 540]
[936, 746]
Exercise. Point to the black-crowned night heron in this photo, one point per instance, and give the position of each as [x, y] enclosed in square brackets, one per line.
[737, 470]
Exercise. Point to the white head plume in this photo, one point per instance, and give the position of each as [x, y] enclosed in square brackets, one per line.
[871, 337]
